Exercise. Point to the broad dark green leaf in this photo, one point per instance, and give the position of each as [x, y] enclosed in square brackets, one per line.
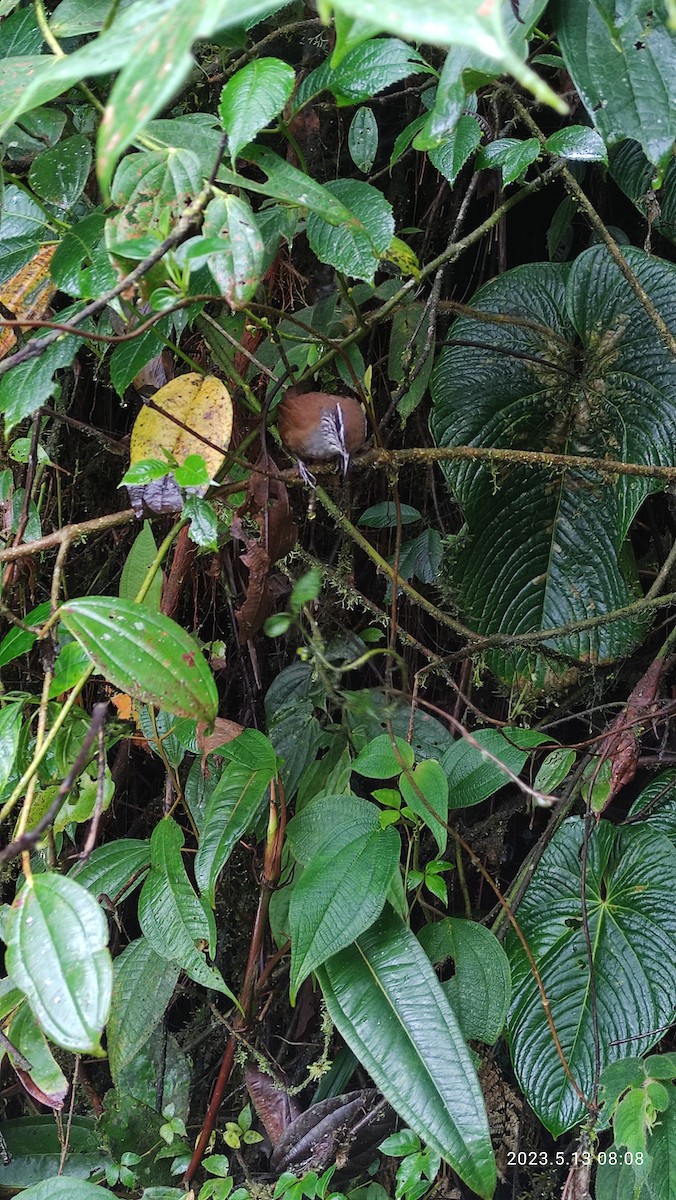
[144, 654]
[330, 821]
[171, 916]
[623, 71]
[558, 550]
[480, 989]
[635, 175]
[23, 226]
[631, 874]
[387, 1003]
[252, 98]
[32, 383]
[73, 18]
[65, 1188]
[471, 776]
[59, 175]
[143, 985]
[128, 359]
[57, 939]
[363, 71]
[658, 799]
[234, 806]
[340, 893]
[34, 1145]
[113, 870]
[355, 251]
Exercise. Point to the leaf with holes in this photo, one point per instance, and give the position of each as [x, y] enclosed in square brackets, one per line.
[237, 264]
[144, 653]
[623, 69]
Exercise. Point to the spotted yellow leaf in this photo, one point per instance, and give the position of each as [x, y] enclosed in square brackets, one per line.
[201, 409]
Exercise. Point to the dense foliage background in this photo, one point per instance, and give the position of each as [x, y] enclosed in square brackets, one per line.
[339, 822]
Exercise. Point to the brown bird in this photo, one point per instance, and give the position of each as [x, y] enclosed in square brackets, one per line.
[319, 427]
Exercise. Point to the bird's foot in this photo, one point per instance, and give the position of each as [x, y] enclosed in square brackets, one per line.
[306, 475]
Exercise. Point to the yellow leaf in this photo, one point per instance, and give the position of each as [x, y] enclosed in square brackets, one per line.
[203, 405]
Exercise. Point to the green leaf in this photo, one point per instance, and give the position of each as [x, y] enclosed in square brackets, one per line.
[73, 18]
[114, 869]
[659, 800]
[388, 1005]
[513, 155]
[357, 251]
[65, 1187]
[291, 186]
[480, 990]
[558, 540]
[236, 267]
[151, 188]
[429, 779]
[632, 930]
[386, 514]
[252, 98]
[362, 139]
[234, 806]
[472, 778]
[171, 915]
[45, 1073]
[25, 387]
[364, 71]
[149, 79]
[143, 985]
[330, 821]
[468, 23]
[135, 569]
[340, 893]
[143, 653]
[34, 1145]
[19, 641]
[554, 769]
[622, 71]
[11, 723]
[378, 760]
[637, 178]
[421, 556]
[23, 227]
[203, 522]
[577, 142]
[57, 939]
[60, 175]
[130, 357]
[451, 155]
